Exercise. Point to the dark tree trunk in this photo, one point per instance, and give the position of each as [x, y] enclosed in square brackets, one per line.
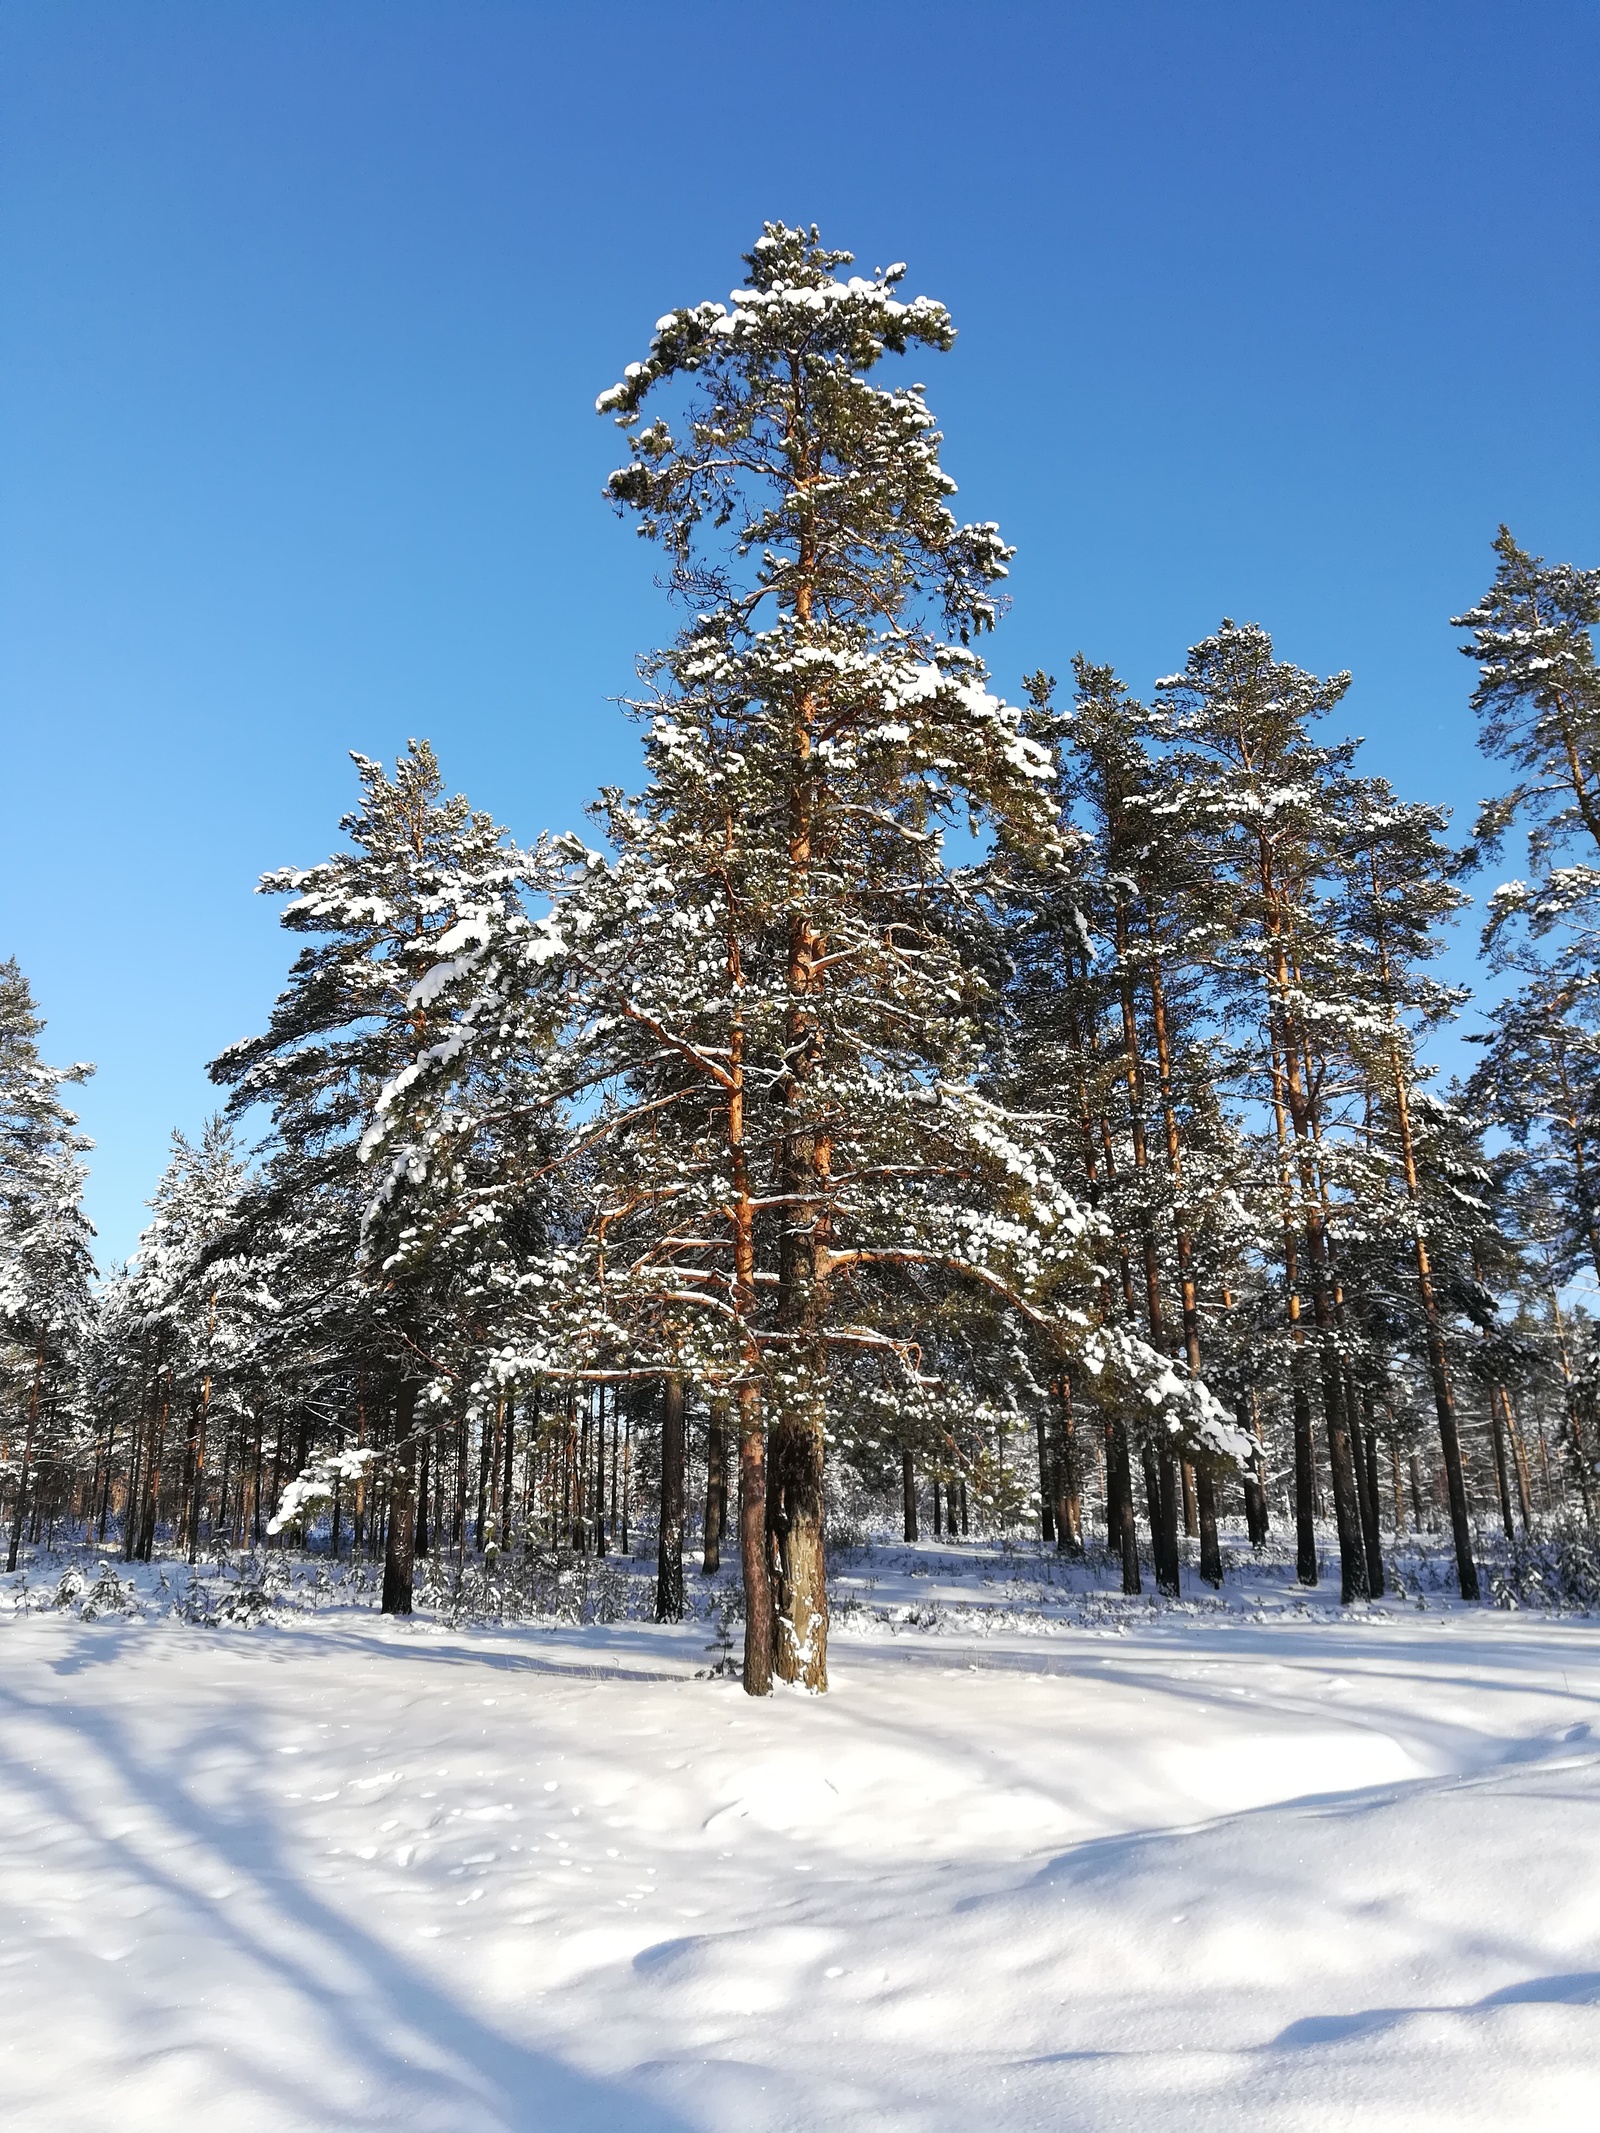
[669, 1541]
[1047, 1494]
[1067, 1505]
[716, 1486]
[908, 1495]
[485, 1461]
[1205, 1490]
[21, 1510]
[130, 1521]
[1502, 1478]
[105, 1486]
[1167, 1558]
[1122, 1533]
[1305, 1482]
[1365, 1444]
[1255, 1495]
[399, 1560]
[753, 1546]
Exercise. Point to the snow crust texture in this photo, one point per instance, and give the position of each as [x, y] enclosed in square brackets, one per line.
[347, 1874]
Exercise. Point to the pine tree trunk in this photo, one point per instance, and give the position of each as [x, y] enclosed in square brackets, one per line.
[1047, 1509]
[1121, 1531]
[908, 1495]
[27, 1454]
[1255, 1495]
[801, 1624]
[485, 1461]
[1502, 1479]
[1450, 1439]
[1168, 1560]
[1068, 1504]
[1206, 1506]
[1341, 1457]
[105, 1486]
[1438, 1370]
[152, 1505]
[1519, 1454]
[716, 1485]
[1365, 1440]
[758, 1630]
[1305, 1479]
[669, 1530]
[399, 1559]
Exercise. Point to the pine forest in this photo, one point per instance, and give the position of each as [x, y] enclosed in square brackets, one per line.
[905, 1110]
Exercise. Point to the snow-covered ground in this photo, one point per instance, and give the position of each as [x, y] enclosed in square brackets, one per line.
[1027, 1865]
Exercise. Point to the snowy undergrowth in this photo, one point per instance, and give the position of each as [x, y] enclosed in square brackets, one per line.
[1246, 1865]
[879, 1586]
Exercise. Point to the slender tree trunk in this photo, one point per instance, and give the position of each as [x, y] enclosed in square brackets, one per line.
[1122, 1533]
[758, 1629]
[1169, 1562]
[1255, 1495]
[399, 1561]
[152, 1504]
[669, 1531]
[908, 1495]
[1067, 1506]
[1305, 1470]
[1210, 1547]
[1519, 1454]
[27, 1454]
[143, 1424]
[616, 1463]
[1305, 1476]
[627, 1479]
[1502, 1479]
[105, 1485]
[1364, 1440]
[1047, 1510]
[716, 1485]
[1438, 1370]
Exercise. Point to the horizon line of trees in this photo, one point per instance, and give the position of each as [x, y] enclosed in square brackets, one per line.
[761, 1150]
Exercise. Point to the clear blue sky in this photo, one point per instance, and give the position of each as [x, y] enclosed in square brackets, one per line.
[1268, 309]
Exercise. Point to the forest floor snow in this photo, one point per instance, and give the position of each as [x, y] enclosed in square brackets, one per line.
[1262, 1866]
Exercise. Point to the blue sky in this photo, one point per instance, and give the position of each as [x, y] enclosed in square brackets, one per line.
[1268, 310]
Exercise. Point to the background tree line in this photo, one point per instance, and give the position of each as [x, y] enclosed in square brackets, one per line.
[770, 1150]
